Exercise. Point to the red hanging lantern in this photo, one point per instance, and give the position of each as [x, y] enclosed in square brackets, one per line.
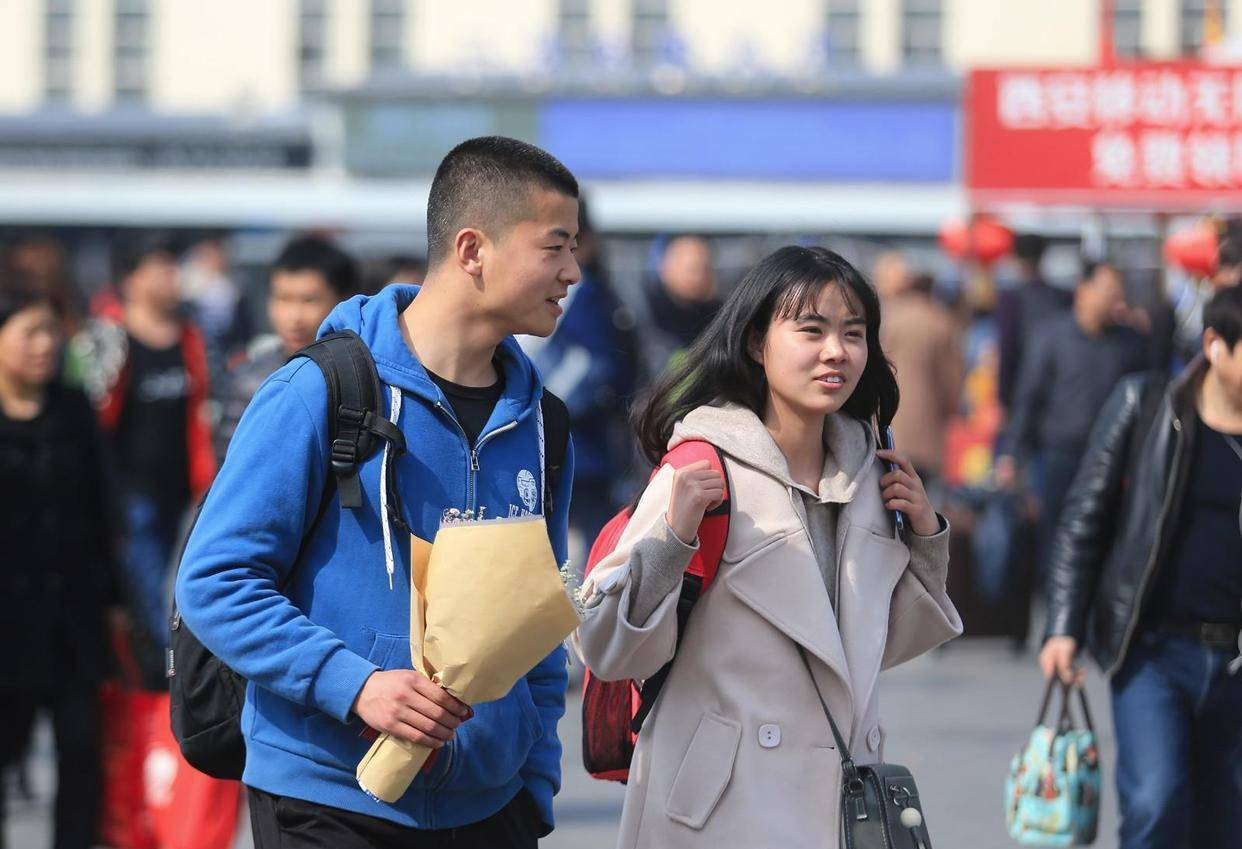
[990, 240]
[954, 238]
[1195, 250]
[985, 240]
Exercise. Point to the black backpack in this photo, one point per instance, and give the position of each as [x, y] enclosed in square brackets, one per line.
[206, 695]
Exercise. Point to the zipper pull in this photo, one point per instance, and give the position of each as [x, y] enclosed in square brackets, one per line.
[474, 459]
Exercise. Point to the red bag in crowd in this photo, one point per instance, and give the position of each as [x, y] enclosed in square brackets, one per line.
[189, 809]
[613, 711]
[152, 798]
[128, 714]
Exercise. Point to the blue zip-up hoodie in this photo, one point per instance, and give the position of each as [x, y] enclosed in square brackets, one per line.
[305, 613]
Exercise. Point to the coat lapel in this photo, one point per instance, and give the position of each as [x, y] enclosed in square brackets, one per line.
[869, 564]
[782, 584]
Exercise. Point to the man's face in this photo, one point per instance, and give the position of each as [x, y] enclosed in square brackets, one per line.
[529, 268]
[297, 304]
[155, 283]
[1104, 293]
[686, 269]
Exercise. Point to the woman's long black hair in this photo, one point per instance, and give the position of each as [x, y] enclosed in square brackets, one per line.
[718, 368]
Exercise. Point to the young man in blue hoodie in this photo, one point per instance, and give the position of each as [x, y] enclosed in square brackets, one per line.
[315, 615]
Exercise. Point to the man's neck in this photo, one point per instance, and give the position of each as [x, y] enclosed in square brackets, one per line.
[801, 440]
[1217, 408]
[445, 333]
[153, 328]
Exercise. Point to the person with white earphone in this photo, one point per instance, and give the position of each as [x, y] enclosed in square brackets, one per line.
[1146, 570]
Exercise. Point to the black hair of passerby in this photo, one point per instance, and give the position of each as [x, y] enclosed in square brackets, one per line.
[313, 253]
[128, 257]
[718, 367]
[1091, 266]
[488, 179]
[1223, 313]
[1029, 248]
[1229, 251]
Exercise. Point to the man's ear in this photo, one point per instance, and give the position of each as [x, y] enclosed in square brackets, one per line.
[469, 247]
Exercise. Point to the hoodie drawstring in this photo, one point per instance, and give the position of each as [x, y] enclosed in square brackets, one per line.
[389, 563]
[543, 461]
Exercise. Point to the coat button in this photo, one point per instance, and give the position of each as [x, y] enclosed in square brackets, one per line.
[769, 736]
[873, 738]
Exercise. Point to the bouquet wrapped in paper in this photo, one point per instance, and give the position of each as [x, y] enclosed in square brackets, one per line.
[487, 603]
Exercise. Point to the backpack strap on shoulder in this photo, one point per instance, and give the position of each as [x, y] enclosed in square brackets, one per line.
[555, 426]
[354, 398]
[701, 571]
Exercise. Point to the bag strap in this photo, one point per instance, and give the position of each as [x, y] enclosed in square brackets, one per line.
[354, 402]
[1066, 721]
[700, 572]
[554, 434]
[847, 760]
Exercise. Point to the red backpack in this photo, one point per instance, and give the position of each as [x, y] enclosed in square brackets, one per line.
[613, 711]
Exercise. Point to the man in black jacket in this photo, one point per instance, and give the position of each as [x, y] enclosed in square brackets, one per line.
[1146, 568]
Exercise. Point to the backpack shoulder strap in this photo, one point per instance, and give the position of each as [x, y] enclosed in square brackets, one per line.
[714, 530]
[354, 420]
[703, 566]
[556, 440]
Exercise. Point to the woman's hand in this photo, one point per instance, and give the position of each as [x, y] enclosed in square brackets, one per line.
[903, 490]
[697, 488]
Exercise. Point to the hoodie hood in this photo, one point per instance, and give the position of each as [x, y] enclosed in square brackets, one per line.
[376, 318]
[738, 432]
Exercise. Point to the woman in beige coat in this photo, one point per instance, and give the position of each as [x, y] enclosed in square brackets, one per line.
[737, 751]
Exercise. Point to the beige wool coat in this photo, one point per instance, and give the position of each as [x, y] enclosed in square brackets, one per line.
[737, 751]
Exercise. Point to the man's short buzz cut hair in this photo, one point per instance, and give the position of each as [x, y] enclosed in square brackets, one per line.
[486, 182]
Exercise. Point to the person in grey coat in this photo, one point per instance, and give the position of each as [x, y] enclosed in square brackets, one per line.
[310, 277]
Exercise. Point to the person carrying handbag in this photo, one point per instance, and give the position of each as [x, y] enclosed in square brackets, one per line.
[767, 727]
[1146, 573]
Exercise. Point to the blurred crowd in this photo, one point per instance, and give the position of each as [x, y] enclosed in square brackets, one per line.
[116, 406]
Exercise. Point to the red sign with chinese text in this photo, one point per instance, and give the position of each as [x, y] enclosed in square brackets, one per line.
[1142, 134]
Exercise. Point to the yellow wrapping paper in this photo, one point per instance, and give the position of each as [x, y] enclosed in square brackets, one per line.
[487, 603]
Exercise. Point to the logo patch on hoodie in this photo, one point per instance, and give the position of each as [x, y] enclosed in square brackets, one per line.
[527, 490]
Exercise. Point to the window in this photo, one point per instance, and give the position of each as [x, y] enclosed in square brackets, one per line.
[312, 41]
[1198, 19]
[842, 27]
[58, 51]
[387, 34]
[649, 42]
[129, 51]
[574, 34]
[921, 33]
[1127, 27]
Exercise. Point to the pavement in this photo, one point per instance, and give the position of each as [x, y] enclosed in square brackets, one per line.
[954, 717]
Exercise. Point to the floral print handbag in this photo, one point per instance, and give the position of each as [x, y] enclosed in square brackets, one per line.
[1052, 793]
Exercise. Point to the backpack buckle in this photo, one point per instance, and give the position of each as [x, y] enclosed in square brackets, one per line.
[344, 453]
[350, 415]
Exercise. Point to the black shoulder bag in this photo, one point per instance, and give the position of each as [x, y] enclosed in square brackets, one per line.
[880, 806]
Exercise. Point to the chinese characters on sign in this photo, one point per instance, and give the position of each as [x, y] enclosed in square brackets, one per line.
[1107, 132]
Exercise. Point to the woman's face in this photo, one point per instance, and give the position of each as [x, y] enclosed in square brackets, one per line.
[814, 360]
[30, 345]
